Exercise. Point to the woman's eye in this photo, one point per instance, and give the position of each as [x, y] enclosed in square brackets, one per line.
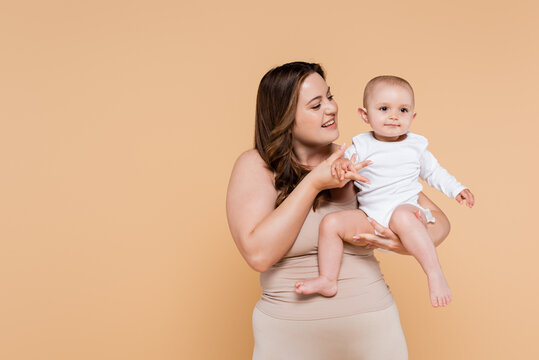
[404, 110]
[316, 106]
[383, 108]
[330, 97]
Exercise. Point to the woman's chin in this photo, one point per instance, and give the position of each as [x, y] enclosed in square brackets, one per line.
[333, 135]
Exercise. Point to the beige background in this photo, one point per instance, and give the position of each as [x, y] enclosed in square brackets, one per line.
[120, 122]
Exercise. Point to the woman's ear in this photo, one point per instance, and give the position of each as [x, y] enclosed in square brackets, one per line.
[363, 113]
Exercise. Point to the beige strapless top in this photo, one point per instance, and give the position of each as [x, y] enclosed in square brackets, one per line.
[361, 284]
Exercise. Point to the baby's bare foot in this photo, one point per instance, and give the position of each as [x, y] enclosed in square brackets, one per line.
[440, 294]
[320, 285]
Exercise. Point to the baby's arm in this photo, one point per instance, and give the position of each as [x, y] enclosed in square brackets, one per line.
[438, 177]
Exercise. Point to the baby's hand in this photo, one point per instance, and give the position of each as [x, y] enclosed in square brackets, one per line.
[341, 166]
[467, 196]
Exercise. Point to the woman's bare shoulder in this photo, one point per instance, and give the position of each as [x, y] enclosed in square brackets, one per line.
[252, 163]
[251, 175]
[250, 156]
[251, 193]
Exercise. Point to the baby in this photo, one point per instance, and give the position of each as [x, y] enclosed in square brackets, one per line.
[398, 157]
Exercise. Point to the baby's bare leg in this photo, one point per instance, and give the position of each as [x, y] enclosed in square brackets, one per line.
[415, 238]
[333, 228]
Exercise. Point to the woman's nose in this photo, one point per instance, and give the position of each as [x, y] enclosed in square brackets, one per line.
[331, 108]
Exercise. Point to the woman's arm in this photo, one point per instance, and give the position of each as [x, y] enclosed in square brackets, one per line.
[390, 241]
[263, 233]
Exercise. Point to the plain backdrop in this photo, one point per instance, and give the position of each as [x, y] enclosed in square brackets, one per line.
[120, 122]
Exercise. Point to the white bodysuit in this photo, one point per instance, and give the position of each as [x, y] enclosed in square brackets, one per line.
[394, 174]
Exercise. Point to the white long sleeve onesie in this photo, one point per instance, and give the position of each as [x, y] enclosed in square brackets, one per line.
[394, 174]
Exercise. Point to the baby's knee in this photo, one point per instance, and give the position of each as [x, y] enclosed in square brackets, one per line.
[404, 216]
[330, 223]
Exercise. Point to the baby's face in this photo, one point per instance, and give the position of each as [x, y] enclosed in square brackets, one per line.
[389, 112]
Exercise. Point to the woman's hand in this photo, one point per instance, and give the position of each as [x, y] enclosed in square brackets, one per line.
[321, 176]
[387, 240]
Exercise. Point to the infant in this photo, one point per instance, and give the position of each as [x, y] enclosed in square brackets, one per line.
[390, 197]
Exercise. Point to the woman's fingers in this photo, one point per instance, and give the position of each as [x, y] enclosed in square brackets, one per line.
[362, 239]
[380, 242]
[357, 240]
[372, 241]
[337, 154]
[382, 230]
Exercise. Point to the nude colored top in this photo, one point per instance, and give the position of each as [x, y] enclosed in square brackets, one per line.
[361, 284]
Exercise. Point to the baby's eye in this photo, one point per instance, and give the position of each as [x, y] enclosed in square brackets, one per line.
[330, 97]
[404, 110]
[383, 108]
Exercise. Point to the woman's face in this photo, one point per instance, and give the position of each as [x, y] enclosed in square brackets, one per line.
[316, 114]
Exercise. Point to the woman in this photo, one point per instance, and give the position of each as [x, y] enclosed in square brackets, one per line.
[277, 196]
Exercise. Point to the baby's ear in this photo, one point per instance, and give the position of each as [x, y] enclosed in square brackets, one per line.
[413, 117]
[363, 113]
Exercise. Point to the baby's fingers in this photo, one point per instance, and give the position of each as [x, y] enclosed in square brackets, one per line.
[333, 169]
[362, 164]
[470, 201]
[350, 167]
[341, 173]
[355, 176]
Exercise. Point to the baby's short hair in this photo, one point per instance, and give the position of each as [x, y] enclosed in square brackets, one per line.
[388, 79]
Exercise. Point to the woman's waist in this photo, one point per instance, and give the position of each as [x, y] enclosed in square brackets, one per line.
[361, 288]
[355, 268]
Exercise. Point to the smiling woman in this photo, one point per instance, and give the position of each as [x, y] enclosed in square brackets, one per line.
[277, 196]
[316, 115]
[300, 126]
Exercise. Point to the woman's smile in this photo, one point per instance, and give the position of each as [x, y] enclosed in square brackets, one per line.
[330, 123]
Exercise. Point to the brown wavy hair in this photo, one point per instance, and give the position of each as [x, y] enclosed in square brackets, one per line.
[276, 104]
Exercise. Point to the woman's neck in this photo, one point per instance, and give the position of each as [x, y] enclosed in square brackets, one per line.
[312, 156]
